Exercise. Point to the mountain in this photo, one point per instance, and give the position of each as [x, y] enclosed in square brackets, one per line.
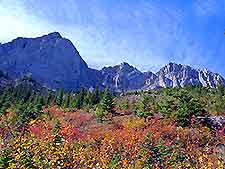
[173, 75]
[51, 60]
[122, 77]
[54, 62]
[126, 77]
[25, 82]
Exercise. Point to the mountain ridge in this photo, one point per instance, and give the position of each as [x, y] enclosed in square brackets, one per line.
[54, 61]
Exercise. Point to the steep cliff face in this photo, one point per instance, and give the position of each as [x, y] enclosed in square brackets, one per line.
[52, 60]
[210, 79]
[150, 80]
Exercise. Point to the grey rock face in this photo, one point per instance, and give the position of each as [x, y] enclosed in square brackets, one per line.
[126, 77]
[122, 77]
[150, 81]
[210, 79]
[52, 60]
[173, 75]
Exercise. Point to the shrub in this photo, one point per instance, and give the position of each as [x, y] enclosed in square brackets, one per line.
[144, 107]
[180, 105]
[100, 113]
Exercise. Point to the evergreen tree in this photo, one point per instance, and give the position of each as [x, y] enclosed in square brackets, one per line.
[124, 104]
[59, 98]
[181, 105]
[26, 112]
[105, 106]
[49, 98]
[32, 96]
[106, 102]
[96, 97]
[27, 95]
[145, 107]
[36, 98]
[166, 106]
[41, 101]
[88, 99]
[100, 113]
[220, 89]
[4, 103]
[67, 100]
[77, 101]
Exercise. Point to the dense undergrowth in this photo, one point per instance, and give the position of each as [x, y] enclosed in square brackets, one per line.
[154, 129]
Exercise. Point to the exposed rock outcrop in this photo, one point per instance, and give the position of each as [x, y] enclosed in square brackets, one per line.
[173, 75]
[214, 122]
[122, 77]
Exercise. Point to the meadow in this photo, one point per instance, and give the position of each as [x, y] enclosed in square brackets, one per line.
[99, 129]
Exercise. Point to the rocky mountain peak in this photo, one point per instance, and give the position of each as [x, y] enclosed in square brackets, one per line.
[122, 77]
[172, 68]
[53, 61]
[54, 35]
[183, 75]
[125, 64]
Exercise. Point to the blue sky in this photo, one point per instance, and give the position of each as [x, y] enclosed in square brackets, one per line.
[144, 33]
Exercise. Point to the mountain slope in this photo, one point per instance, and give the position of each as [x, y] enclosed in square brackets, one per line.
[52, 60]
[4, 80]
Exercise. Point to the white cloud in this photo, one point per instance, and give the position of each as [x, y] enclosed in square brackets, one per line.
[209, 7]
[16, 22]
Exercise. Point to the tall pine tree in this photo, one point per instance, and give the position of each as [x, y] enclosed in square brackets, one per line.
[106, 102]
[105, 106]
[59, 98]
[67, 100]
[96, 97]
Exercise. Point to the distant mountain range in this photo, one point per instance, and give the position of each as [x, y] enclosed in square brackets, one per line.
[54, 62]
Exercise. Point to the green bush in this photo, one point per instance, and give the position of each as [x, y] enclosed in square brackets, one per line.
[100, 113]
[145, 106]
[4, 161]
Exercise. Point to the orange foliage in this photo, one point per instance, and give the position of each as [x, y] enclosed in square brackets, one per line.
[124, 142]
